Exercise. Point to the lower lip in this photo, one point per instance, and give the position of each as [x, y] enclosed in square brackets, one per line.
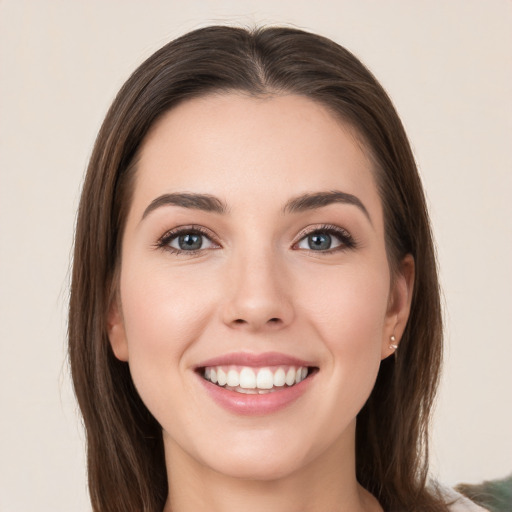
[251, 405]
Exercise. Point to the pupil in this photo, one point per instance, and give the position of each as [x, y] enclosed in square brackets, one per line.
[319, 242]
[190, 242]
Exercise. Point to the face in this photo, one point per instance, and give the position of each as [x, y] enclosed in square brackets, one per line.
[254, 252]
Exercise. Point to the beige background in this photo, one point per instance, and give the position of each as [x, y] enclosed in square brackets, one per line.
[447, 65]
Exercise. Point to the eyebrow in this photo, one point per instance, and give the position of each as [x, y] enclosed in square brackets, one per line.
[204, 202]
[209, 203]
[315, 200]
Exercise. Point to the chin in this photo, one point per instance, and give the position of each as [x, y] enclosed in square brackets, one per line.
[264, 469]
[258, 462]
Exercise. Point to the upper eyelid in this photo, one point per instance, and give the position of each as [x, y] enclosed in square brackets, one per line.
[320, 228]
[204, 230]
[175, 232]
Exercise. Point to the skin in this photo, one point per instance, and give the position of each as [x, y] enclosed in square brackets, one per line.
[257, 286]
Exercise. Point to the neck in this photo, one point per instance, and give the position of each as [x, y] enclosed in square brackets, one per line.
[326, 483]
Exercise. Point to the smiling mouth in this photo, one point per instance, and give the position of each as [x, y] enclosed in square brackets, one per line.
[256, 381]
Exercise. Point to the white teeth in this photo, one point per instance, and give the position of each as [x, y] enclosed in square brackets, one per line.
[247, 378]
[290, 377]
[233, 378]
[221, 377]
[255, 380]
[265, 379]
[246, 391]
[279, 378]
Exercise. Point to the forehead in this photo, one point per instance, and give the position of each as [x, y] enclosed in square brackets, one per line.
[242, 148]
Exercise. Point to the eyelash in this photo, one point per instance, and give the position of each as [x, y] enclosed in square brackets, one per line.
[346, 239]
[164, 241]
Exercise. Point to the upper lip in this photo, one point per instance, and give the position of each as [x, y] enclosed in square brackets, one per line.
[257, 360]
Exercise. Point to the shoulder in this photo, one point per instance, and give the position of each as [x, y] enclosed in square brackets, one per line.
[459, 503]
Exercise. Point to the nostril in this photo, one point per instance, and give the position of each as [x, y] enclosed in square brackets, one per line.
[274, 321]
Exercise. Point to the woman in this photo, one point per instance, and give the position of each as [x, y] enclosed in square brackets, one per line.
[254, 317]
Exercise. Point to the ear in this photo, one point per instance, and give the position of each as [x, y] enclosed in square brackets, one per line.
[399, 305]
[116, 331]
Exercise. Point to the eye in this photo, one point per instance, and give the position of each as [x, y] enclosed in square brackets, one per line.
[326, 239]
[319, 242]
[186, 240]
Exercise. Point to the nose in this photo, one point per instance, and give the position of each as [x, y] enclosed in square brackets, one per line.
[258, 294]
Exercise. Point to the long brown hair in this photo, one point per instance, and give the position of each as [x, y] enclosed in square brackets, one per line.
[126, 465]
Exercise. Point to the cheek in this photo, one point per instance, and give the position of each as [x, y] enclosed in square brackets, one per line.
[162, 308]
[168, 309]
[164, 313]
[348, 305]
[348, 311]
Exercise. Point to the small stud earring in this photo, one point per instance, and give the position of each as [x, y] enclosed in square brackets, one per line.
[393, 345]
